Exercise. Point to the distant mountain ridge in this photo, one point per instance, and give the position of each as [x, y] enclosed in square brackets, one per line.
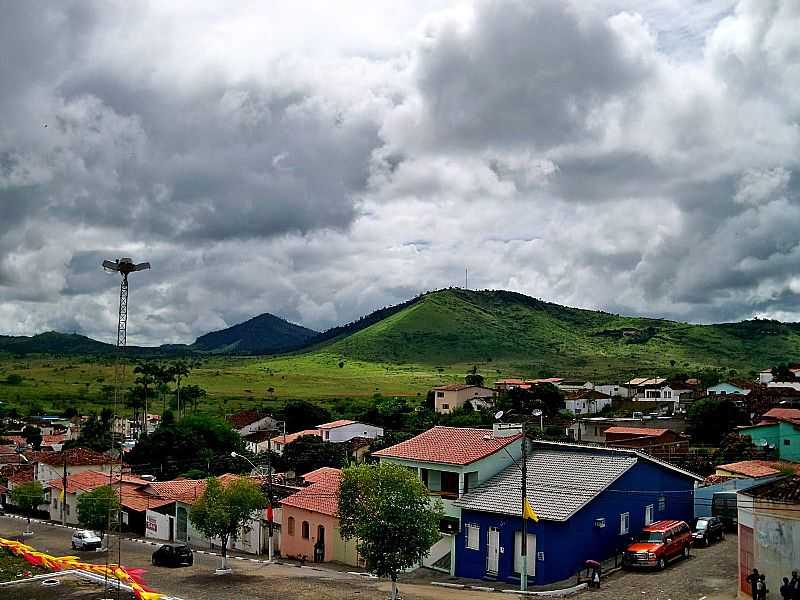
[264, 334]
[451, 326]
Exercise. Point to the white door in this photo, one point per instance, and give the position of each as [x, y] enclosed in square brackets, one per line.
[531, 550]
[493, 551]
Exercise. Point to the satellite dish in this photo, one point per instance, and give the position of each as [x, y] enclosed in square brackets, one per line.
[536, 412]
[498, 415]
[763, 442]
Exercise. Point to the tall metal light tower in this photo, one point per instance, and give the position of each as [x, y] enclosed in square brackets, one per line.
[123, 266]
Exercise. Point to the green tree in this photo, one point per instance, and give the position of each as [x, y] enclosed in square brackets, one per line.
[190, 395]
[98, 509]
[310, 452]
[222, 511]
[33, 436]
[299, 415]
[148, 374]
[387, 509]
[194, 442]
[96, 432]
[781, 372]
[709, 421]
[28, 497]
[14, 379]
[473, 378]
[179, 371]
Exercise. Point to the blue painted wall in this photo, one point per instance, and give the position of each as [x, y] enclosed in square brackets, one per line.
[567, 545]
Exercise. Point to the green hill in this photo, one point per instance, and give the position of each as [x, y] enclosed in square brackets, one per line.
[461, 326]
[53, 342]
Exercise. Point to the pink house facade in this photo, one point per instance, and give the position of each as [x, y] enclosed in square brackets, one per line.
[310, 521]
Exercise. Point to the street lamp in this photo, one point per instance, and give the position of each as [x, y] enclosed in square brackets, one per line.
[270, 522]
[523, 579]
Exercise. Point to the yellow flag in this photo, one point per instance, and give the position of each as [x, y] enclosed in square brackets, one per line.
[527, 511]
[61, 495]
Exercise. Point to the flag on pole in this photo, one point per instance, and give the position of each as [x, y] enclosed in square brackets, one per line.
[528, 512]
[61, 495]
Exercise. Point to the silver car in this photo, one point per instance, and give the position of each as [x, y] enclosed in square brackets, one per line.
[86, 540]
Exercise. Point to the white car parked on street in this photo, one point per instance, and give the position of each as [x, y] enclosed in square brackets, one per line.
[86, 540]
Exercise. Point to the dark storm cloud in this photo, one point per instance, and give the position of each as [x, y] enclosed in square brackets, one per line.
[526, 73]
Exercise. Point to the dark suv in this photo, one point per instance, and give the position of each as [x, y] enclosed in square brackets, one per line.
[658, 544]
[173, 555]
[707, 530]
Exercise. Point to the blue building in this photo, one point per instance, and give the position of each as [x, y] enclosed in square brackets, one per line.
[590, 501]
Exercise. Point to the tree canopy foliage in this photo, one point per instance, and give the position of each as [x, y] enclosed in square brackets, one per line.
[98, 508]
[387, 509]
[28, 496]
[709, 421]
[194, 442]
[300, 415]
[222, 510]
[310, 452]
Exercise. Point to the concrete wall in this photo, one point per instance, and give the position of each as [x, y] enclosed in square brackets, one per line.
[777, 434]
[457, 398]
[157, 526]
[775, 549]
[44, 472]
[348, 432]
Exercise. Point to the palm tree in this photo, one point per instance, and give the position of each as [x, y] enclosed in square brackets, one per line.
[179, 370]
[147, 375]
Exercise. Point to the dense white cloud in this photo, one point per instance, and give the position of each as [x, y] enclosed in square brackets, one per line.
[320, 160]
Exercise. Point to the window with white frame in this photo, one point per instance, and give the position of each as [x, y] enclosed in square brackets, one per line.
[624, 523]
[648, 515]
[473, 537]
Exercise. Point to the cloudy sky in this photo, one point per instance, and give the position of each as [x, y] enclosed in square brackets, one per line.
[318, 160]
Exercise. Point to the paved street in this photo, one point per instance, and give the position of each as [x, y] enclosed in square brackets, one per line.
[710, 573]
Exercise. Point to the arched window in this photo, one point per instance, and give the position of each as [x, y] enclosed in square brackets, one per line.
[290, 525]
[305, 530]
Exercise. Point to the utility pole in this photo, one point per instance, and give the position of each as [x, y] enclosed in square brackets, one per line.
[270, 523]
[523, 579]
[64, 488]
[123, 266]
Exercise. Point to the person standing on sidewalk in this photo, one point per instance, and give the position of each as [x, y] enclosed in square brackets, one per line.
[794, 585]
[786, 590]
[752, 579]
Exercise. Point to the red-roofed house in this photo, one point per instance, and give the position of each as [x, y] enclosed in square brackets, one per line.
[48, 466]
[450, 461]
[757, 468]
[310, 521]
[279, 443]
[779, 429]
[134, 499]
[249, 420]
[663, 443]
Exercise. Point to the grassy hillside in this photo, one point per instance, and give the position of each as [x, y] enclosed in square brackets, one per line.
[460, 326]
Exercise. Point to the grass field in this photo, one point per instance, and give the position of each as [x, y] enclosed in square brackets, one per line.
[54, 384]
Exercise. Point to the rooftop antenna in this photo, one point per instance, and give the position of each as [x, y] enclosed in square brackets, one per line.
[123, 266]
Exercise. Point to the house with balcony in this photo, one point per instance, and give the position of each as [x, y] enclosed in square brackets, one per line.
[451, 461]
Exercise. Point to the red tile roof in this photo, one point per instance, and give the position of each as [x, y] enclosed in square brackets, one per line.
[588, 395]
[749, 468]
[243, 418]
[180, 490]
[21, 474]
[509, 382]
[322, 496]
[292, 437]
[47, 440]
[335, 424]
[790, 415]
[642, 431]
[135, 498]
[76, 457]
[449, 445]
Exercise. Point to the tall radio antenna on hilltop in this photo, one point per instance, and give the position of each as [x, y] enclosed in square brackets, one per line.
[123, 266]
[466, 278]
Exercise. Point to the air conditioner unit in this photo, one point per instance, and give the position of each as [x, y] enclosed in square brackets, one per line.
[600, 522]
